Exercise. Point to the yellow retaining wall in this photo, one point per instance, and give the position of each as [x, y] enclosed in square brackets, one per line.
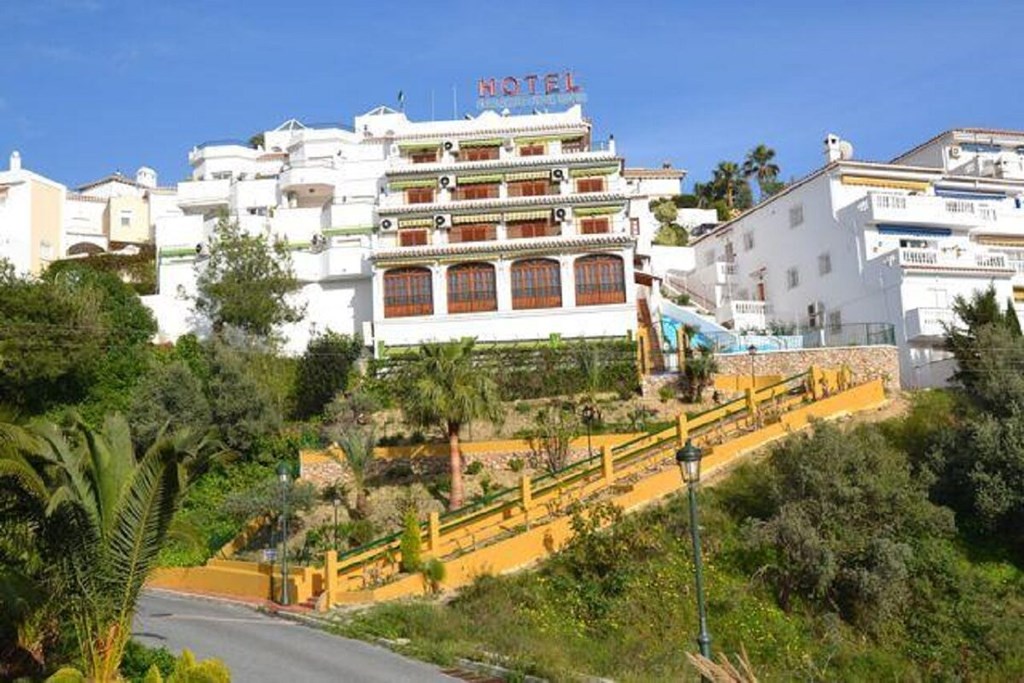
[438, 450]
[734, 383]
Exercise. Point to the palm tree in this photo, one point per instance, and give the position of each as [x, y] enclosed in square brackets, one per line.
[358, 447]
[699, 370]
[103, 517]
[727, 177]
[445, 390]
[759, 165]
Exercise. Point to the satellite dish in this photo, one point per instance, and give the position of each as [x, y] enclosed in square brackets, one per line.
[845, 150]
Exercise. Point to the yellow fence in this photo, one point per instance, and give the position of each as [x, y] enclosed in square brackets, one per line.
[529, 522]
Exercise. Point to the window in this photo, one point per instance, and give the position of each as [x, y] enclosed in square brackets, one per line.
[792, 278]
[572, 146]
[477, 191]
[482, 232]
[479, 153]
[748, 241]
[532, 150]
[408, 291]
[594, 226]
[536, 283]
[825, 263]
[600, 280]
[412, 238]
[634, 227]
[529, 188]
[471, 288]
[590, 185]
[796, 215]
[526, 229]
[835, 321]
[221, 175]
[126, 219]
[424, 157]
[419, 195]
[709, 257]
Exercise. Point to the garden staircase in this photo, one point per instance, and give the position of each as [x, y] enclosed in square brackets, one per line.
[519, 526]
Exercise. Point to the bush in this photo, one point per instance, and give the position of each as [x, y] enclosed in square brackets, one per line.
[434, 572]
[516, 464]
[475, 467]
[170, 396]
[666, 393]
[323, 371]
[411, 544]
[241, 408]
[387, 505]
[138, 659]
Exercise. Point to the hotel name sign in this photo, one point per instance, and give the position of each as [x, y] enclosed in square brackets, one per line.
[531, 90]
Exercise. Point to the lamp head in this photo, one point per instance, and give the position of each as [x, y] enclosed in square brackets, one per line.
[688, 457]
[752, 350]
[283, 472]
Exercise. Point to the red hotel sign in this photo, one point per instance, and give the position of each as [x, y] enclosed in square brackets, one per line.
[529, 90]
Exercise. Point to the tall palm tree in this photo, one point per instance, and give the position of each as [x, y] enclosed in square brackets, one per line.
[103, 517]
[445, 390]
[727, 177]
[759, 165]
[357, 443]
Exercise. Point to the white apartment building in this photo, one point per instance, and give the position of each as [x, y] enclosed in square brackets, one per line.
[41, 221]
[861, 242]
[497, 227]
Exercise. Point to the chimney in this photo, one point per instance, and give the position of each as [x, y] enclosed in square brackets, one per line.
[146, 177]
[832, 152]
[15, 161]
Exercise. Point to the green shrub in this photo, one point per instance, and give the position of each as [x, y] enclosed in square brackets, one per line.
[411, 544]
[323, 371]
[138, 659]
[666, 393]
[516, 464]
[434, 573]
[475, 467]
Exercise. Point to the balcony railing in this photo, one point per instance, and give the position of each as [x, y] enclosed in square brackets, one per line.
[927, 210]
[929, 322]
[953, 259]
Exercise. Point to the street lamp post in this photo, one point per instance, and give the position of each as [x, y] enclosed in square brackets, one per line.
[282, 476]
[752, 351]
[688, 457]
[589, 414]
[337, 503]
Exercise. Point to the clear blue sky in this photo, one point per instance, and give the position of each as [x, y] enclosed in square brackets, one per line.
[91, 86]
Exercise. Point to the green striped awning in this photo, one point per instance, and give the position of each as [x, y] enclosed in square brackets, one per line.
[490, 142]
[419, 144]
[477, 218]
[540, 138]
[528, 175]
[596, 210]
[587, 172]
[470, 180]
[415, 222]
[406, 184]
[528, 215]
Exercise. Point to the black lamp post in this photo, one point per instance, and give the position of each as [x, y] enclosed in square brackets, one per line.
[688, 458]
[283, 476]
[337, 503]
[589, 415]
[752, 351]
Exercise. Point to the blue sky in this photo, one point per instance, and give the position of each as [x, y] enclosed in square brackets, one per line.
[91, 86]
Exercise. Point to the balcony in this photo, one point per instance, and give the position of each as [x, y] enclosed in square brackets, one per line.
[349, 259]
[318, 175]
[597, 150]
[931, 211]
[203, 193]
[928, 323]
[744, 314]
[954, 259]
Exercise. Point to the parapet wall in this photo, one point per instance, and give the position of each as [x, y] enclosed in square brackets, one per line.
[866, 362]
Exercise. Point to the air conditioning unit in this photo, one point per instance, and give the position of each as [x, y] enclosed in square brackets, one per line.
[559, 175]
[509, 144]
[561, 214]
[954, 152]
[451, 146]
[388, 224]
[443, 220]
[200, 249]
[446, 182]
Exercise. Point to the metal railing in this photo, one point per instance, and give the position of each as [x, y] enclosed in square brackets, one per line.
[792, 338]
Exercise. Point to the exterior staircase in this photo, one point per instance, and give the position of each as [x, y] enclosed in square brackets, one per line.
[520, 526]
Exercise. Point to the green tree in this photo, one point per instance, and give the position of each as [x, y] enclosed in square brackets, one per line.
[444, 389]
[246, 282]
[358, 443]
[727, 181]
[988, 348]
[760, 165]
[698, 370]
[101, 516]
[171, 397]
[324, 371]
[241, 408]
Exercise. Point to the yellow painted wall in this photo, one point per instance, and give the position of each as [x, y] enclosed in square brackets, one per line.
[47, 207]
[137, 229]
[733, 383]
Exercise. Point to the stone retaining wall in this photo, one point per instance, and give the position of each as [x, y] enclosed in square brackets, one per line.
[866, 362]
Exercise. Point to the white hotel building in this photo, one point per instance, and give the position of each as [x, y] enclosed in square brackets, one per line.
[495, 227]
[865, 242]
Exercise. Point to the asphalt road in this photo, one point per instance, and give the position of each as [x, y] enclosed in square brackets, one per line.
[258, 648]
